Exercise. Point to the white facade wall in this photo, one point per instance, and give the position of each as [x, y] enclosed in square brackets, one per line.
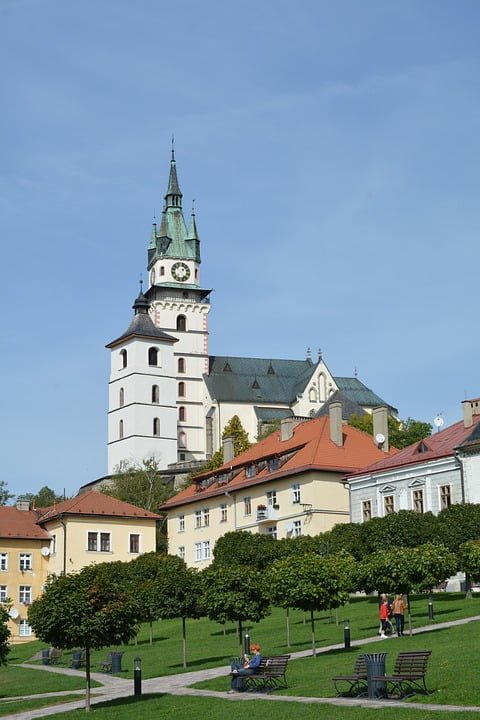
[471, 477]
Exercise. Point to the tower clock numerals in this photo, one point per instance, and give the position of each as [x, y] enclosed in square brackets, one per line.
[180, 271]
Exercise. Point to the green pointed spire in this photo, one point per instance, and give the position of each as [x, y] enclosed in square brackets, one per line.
[173, 198]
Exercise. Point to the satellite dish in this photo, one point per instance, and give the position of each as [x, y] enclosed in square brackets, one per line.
[289, 528]
[13, 612]
[379, 438]
[45, 551]
[438, 421]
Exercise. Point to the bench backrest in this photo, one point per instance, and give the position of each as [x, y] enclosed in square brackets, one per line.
[360, 667]
[273, 663]
[412, 663]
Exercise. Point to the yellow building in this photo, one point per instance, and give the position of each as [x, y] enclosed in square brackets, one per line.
[287, 485]
[90, 528]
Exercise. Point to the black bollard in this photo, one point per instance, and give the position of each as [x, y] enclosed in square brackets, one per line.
[430, 610]
[137, 676]
[246, 644]
[346, 635]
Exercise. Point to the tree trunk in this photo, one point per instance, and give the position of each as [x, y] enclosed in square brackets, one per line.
[184, 642]
[409, 616]
[287, 618]
[87, 678]
[312, 625]
[240, 637]
[150, 628]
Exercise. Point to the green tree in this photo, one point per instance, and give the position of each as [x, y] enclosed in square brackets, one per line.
[5, 496]
[343, 537]
[144, 486]
[457, 524]
[44, 498]
[469, 562]
[268, 429]
[240, 547]
[235, 430]
[311, 583]
[401, 433]
[234, 594]
[144, 572]
[91, 609]
[4, 634]
[404, 528]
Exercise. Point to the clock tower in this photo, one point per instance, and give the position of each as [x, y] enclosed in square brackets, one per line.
[180, 307]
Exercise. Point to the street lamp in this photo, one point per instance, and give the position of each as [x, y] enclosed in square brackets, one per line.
[137, 676]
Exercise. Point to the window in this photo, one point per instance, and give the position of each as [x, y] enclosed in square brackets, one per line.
[54, 544]
[247, 505]
[134, 543]
[202, 550]
[25, 594]
[271, 497]
[3, 561]
[181, 365]
[3, 593]
[182, 415]
[121, 399]
[181, 323]
[181, 552]
[206, 549]
[123, 358]
[155, 394]
[181, 523]
[162, 270]
[388, 504]
[92, 542]
[156, 427]
[25, 630]
[445, 497]
[98, 541]
[104, 542]
[25, 561]
[120, 429]
[198, 551]
[418, 501]
[153, 356]
[198, 518]
[181, 389]
[273, 464]
[272, 531]
[297, 528]
[223, 513]
[296, 493]
[250, 471]
[206, 517]
[182, 439]
[202, 518]
[366, 510]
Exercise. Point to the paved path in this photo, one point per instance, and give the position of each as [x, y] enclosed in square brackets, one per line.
[115, 687]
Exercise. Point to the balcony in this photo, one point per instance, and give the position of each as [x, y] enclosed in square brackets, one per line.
[267, 514]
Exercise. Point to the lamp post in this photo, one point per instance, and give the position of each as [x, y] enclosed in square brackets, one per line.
[246, 644]
[137, 676]
[430, 608]
[346, 634]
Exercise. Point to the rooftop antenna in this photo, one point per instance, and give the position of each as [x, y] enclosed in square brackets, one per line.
[438, 421]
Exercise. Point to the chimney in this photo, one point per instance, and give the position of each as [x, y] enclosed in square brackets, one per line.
[467, 413]
[286, 428]
[380, 427]
[23, 504]
[228, 449]
[336, 429]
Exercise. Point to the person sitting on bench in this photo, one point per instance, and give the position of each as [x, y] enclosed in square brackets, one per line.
[248, 667]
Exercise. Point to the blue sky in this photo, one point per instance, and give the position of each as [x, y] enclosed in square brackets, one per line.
[333, 151]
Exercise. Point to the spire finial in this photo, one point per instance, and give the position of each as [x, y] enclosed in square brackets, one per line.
[319, 354]
[141, 284]
[309, 354]
[173, 148]
[356, 373]
[193, 206]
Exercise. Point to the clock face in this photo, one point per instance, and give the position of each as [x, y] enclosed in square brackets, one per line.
[180, 271]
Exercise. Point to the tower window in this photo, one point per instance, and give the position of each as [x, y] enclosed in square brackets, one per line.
[120, 429]
[181, 389]
[182, 413]
[181, 365]
[156, 427]
[182, 440]
[181, 323]
[123, 358]
[153, 356]
[122, 397]
[155, 394]
[162, 270]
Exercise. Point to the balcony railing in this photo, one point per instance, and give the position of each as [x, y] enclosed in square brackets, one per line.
[268, 514]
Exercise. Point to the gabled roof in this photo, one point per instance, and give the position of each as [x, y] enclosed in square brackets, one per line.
[441, 444]
[309, 448]
[360, 393]
[96, 503]
[20, 524]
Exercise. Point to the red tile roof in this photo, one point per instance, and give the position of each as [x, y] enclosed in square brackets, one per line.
[96, 503]
[20, 524]
[439, 445]
[311, 449]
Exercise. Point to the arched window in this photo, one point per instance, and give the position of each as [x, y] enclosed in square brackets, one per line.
[155, 394]
[162, 270]
[182, 440]
[120, 429]
[156, 427]
[181, 323]
[312, 395]
[181, 389]
[181, 365]
[121, 400]
[123, 358]
[182, 413]
[153, 356]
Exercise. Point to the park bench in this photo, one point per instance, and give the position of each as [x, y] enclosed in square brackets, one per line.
[408, 675]
[356, 681]
[270, 674]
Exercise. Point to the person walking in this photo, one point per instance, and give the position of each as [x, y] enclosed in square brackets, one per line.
[384, 615]
[399, 608]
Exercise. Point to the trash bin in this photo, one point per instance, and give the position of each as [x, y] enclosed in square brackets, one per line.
[46, 656]
[376, 667]
[77, 659]
[116, 662]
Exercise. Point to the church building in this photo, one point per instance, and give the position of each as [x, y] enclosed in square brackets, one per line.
[168, 397]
